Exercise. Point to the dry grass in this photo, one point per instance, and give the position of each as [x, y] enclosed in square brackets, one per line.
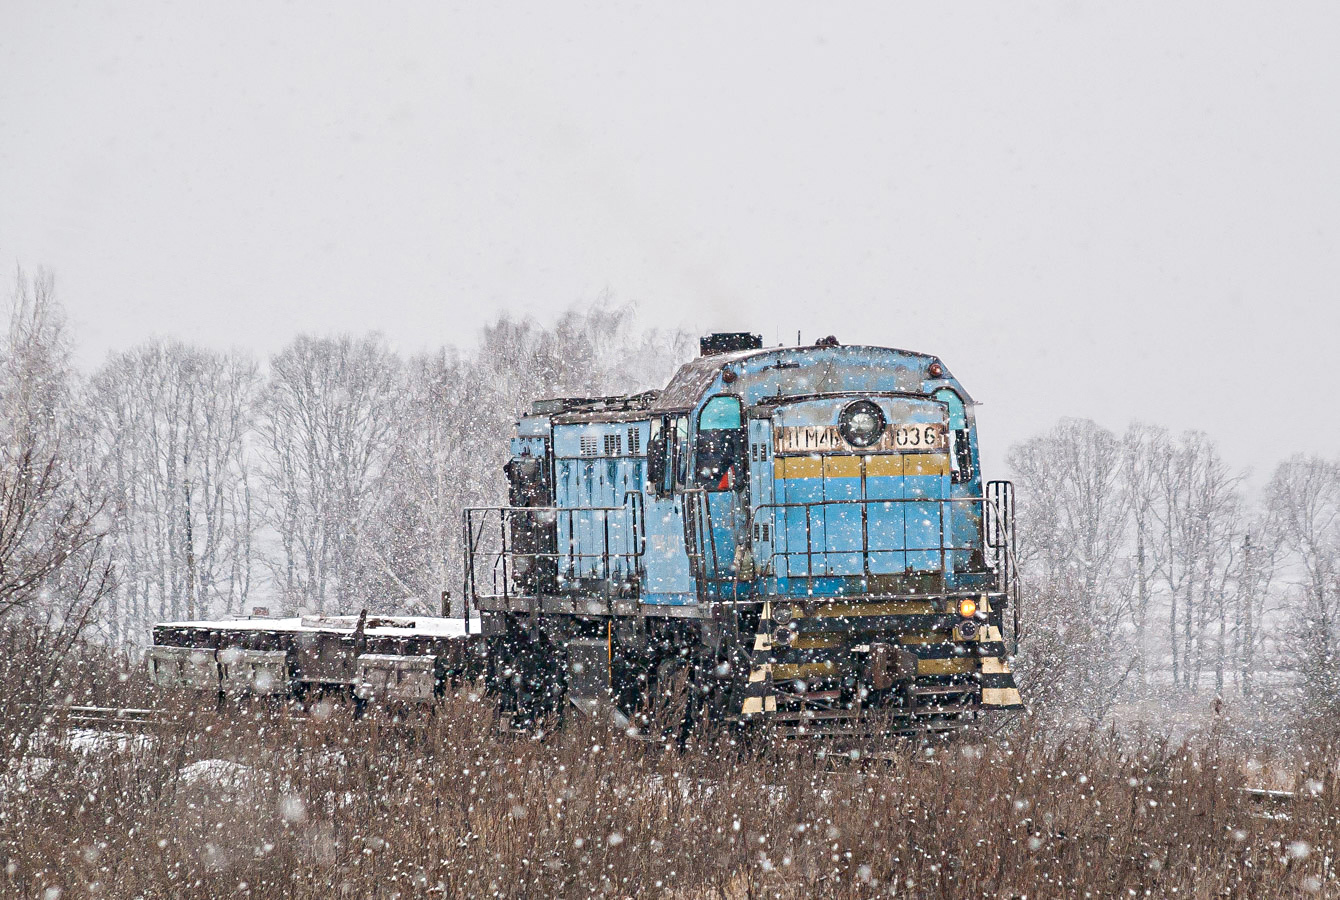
[263, 806]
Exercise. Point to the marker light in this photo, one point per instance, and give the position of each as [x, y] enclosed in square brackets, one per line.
[935, 370]
[967, 607]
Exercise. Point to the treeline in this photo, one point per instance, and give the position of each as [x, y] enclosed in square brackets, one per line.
[1148, 569]
[328, 478]
[177, 481]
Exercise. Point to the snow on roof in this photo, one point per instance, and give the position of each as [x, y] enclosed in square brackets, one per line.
[381, 626]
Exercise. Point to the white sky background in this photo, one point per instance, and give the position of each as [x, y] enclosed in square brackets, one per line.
[1111, 210]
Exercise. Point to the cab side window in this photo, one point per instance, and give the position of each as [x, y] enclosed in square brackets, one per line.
[680, 426]
[960, 448]
[668, 454]
[656, 457]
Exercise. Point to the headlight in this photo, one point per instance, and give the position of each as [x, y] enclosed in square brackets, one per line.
[781, 614]
[783, 636]
[967, 607]
[861, 423]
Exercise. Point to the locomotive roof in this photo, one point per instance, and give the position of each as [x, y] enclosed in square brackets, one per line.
[569, 406]
[695, 377]
[762, 375]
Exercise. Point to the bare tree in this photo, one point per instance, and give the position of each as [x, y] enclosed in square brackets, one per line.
[173, 423]
[1073, 518]
[331, 414]
[47, 517]
[1194, 509]
[1080, 510]
[1143, 449]
[437, 472]
[53, 572]
[1258, 562]
[1303, 500]
[1117, 529]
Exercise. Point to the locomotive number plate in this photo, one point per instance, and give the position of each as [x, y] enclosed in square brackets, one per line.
[929, 436]
[809, 439]
[821, 438]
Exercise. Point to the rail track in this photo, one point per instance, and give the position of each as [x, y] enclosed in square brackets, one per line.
[110, 718]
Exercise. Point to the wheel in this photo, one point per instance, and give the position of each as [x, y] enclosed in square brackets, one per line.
[526, 674]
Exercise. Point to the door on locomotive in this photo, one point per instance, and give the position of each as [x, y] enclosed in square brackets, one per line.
[669, 579]
[696, 474]
[720, 473]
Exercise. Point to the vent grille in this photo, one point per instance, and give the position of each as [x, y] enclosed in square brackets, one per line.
[634, 442]
[590, 446]
[613, 445]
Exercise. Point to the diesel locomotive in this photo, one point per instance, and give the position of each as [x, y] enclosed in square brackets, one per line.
[796, 535]
[791, 536]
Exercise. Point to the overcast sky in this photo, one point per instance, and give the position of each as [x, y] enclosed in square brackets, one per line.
[1113, 210]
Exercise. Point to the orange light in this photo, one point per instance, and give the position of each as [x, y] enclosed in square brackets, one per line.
[936, 370]
[967, 607]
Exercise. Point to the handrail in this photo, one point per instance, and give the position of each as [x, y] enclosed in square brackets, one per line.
[501, 558]
[694, 508]
[864, 550]
[994, 532]
[1002, 503]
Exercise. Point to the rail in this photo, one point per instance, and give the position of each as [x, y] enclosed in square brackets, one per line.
[991, 528]
[699, 542]
[837, 520]
[998, 521]
[118, 718]
[494, 563]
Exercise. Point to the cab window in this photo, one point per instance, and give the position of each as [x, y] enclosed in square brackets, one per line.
[958, 418]
[720, 414]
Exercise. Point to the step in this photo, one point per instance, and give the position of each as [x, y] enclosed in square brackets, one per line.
[945, 689]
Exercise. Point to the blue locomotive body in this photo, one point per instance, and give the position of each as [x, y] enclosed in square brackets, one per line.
[802, 534]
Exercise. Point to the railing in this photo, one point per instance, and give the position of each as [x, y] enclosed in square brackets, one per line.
[936, 525]
[493, 563]
[999, 534]
[699, 542]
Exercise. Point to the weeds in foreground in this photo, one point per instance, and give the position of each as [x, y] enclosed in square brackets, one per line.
[263, 805]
